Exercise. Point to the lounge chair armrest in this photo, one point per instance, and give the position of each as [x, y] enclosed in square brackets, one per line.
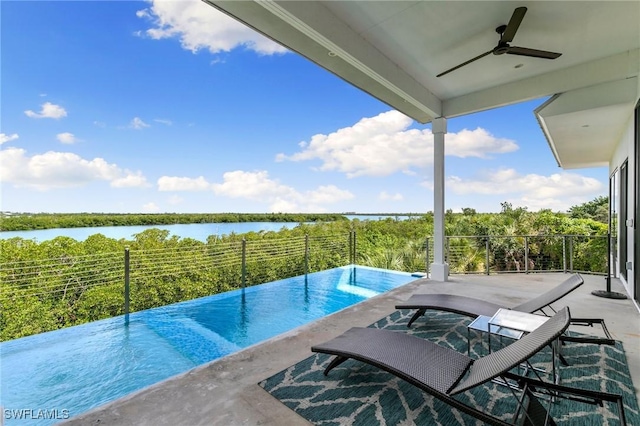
[589, 322]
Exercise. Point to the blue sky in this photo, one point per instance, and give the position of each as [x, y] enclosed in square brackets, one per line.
[173, 107]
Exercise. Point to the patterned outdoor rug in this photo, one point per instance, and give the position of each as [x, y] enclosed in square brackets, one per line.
[355, 393]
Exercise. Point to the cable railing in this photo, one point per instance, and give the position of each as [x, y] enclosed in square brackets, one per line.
[524, 254]
[73, 289]
[464, 254]
[39, 277]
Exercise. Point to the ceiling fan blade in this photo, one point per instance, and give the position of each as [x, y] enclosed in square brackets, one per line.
[464, 63]
[516, 18]
[524, 51]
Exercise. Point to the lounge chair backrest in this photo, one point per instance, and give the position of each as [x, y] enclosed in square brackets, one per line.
[503, 360]
[545, 299]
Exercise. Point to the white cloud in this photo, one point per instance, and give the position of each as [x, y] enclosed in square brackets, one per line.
[259, 187]
[173, 183]
[427, 183]
[558, 191]
[384, 196]
[60, 170]
[48, 110]
[175, 199]
[476, 143]
[100, 124]
[384, 144]
[131, 180]
[200, 26]
[8, 138]
[284, 206]
[163, 121]
[251, 185]
[137, 123]
[326, 194]
[150, 208]
[66, 138]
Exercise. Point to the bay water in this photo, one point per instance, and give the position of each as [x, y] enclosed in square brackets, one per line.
[197, 231]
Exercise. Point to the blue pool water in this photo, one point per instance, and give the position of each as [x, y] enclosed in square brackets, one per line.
[50, 376]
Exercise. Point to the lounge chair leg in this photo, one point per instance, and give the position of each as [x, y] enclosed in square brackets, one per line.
[415, 316]
[334, 363]
[530, 411]
[563, 360]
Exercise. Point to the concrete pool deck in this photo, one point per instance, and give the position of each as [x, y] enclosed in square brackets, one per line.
[226, 391]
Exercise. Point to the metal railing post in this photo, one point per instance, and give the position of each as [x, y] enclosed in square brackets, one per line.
[426, 266]
[306, 254]
[126, 285]
[244, 262]
[487, 248]
[447, 242]
[570, 253]
[526, 254]
[354, 254]
[351, 247]
[564, 254]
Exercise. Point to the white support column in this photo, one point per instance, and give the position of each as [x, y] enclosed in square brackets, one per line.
[439, 269]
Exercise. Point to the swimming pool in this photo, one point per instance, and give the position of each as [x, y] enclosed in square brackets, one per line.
[51, 376]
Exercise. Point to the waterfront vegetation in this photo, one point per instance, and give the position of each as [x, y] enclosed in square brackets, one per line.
[63, 282]
[31, 221]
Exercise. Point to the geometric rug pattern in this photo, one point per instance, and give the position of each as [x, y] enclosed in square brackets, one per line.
[356, 393]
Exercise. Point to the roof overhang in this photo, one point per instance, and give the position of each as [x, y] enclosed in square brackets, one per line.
[393, 50]
[583, 126]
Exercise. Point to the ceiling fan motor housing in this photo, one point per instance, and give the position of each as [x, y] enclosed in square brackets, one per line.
[501, 49]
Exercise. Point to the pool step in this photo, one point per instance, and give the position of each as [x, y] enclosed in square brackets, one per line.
[358, 291]
[192, 339]
[347, 283]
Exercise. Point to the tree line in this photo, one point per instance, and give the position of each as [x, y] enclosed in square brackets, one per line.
[33, 221]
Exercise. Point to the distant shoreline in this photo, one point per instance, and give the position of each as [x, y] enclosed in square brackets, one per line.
[38, 221]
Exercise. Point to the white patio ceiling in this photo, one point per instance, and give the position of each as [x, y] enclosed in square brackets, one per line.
[394, 50]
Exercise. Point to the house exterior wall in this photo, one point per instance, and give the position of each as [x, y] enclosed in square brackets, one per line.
[625, 152]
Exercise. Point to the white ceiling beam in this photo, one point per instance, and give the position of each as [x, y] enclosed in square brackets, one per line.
[616, 67]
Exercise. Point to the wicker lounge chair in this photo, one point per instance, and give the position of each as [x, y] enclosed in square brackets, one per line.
[443, 372]
[475, 307]
[472, 307]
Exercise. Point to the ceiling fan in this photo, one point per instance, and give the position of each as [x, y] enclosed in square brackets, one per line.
[507, 33]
